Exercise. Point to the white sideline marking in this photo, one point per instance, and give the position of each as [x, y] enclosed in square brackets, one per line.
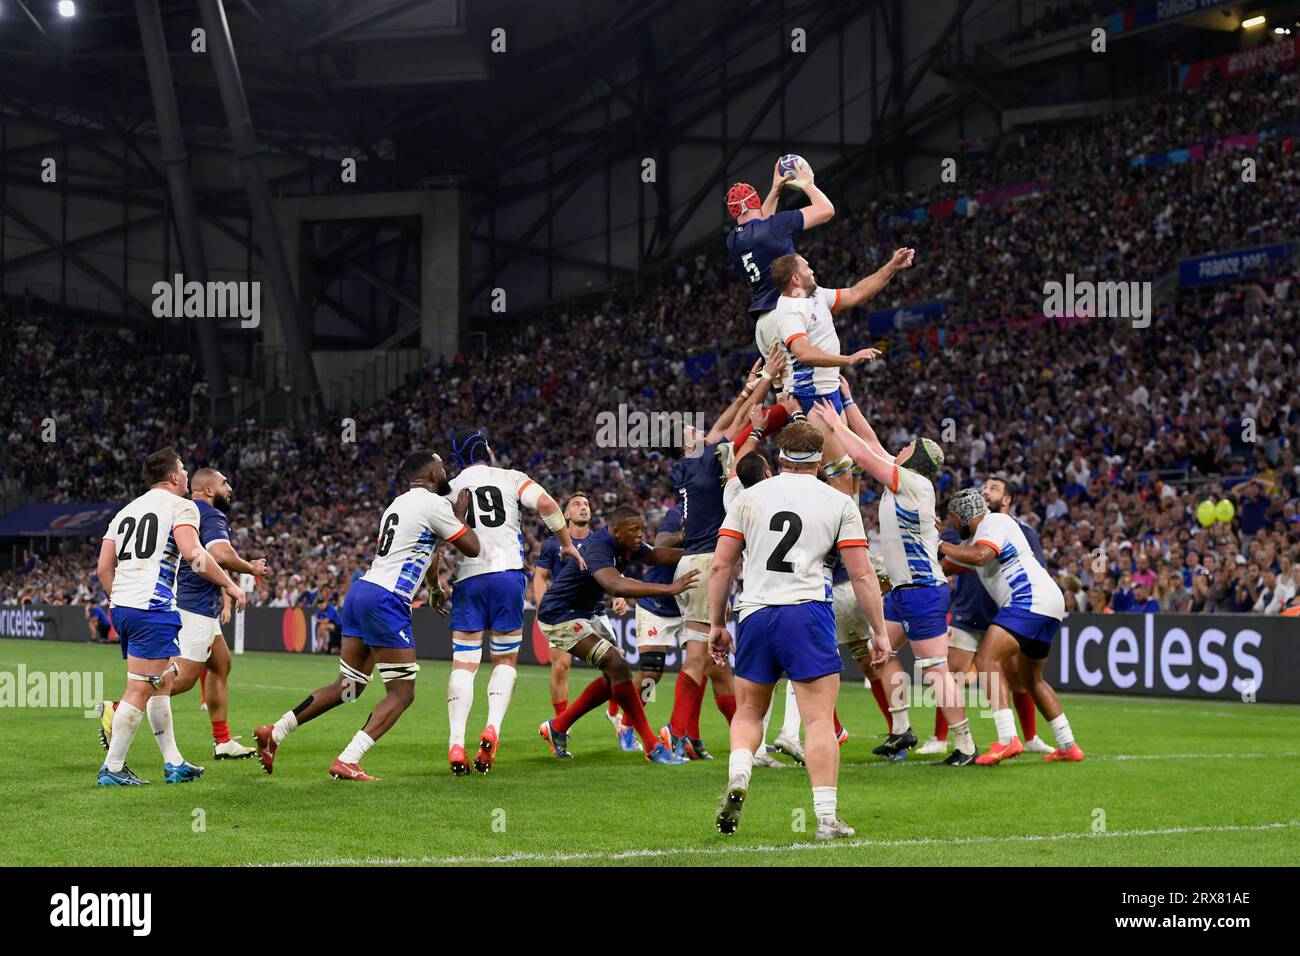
[1091, 756]
[1251, 715]
[771, 848]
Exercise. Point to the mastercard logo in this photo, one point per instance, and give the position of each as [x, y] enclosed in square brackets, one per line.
[293, 629]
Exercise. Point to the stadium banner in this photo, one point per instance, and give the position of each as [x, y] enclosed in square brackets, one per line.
[904, 318]
[1267, 55]
[1221, 656]
[1241, 657]
[1161, 11]
[1230, 266]
[38, 521]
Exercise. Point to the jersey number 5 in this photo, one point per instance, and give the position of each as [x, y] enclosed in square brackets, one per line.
[751, 267]
[792, 524]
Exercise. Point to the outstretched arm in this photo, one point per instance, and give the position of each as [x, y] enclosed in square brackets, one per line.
[616, 585]
[867, 289]
[878, 466]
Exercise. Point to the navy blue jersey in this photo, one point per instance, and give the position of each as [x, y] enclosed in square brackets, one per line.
[194, 593]
[972, 608]
[755, 245]
[699, 483]
[663, 573]
[550, 559]
[575, 593]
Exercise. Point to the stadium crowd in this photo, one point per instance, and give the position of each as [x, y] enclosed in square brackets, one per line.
[1112, 434]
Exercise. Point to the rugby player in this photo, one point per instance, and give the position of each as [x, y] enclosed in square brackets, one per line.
[138, 562]
[566, 615]
[916, 608]
[787, 526]
[1030, 609]
[488, 589]
[972, 609]
[377, 630]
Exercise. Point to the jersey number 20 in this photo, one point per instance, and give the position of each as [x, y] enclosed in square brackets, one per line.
[146, 536]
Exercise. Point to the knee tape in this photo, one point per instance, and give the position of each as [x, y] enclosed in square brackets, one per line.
[467, 650]
[860, 650]
[506, 643]
[350, 674]
[405, 670]
[154, 680]
[925, 663]
[840, 466]
[598, 652]
[653, 661]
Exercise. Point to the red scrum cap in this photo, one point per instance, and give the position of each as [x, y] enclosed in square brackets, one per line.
[740, 197]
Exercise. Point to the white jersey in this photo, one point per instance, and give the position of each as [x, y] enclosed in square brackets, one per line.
[494, 516]
[147, 556]
[408, 533]
[909, 536]
[790, 524]
[1015, 578]
[811, 317]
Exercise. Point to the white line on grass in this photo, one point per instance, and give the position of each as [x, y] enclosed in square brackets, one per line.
[727, 850]
[1095, 756]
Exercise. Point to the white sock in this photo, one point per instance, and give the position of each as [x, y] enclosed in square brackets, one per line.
[1060, 727]
[159, 710]
[900, 721]
[460, 697]
[354, 751]
[125, 721]
[284, 727]
[791, 723]
[500, 686]
[1005, 722]
[762, 744]
[824, 802]
[961, 738]
[740, 764]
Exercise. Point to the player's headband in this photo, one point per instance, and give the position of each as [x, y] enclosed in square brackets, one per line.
[801, 457]
[740, 197]
[463, 449]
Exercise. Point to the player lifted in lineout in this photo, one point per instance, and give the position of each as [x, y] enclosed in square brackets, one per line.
[138, 561]
[566, 615]
[488, 589]
[377, 629]
[762, 235]
[787, 526]
[802, 323]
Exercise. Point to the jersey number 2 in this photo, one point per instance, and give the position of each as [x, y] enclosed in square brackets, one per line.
[793, 526]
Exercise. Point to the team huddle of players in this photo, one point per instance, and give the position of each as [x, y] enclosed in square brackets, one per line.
[794, 539]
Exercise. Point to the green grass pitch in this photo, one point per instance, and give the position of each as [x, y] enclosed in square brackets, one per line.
[1201, 783]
